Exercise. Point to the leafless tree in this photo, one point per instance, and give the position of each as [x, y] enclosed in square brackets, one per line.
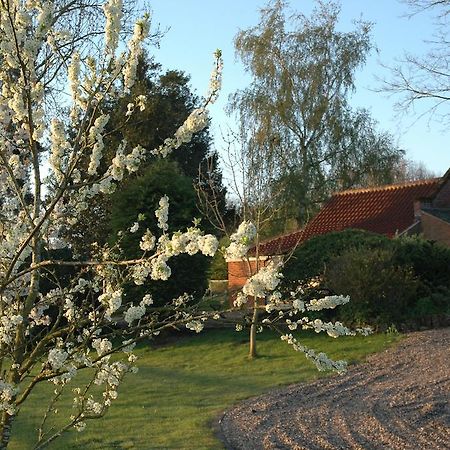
[425, 79]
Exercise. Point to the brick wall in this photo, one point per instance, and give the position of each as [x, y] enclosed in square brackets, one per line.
[238, 273]
[435, 229]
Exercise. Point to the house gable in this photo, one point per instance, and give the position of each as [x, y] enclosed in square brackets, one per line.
[435, 226]
[441, 198]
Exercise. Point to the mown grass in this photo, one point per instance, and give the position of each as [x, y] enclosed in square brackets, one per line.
[176, 397]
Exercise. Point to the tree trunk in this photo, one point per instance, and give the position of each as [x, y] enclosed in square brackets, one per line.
[252, 349]
[5, 429]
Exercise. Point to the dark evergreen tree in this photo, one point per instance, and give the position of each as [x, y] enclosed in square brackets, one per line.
[141, 197]
[169, 101]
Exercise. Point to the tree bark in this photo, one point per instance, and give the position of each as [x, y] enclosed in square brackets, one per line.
[252, 353]
[5, 429]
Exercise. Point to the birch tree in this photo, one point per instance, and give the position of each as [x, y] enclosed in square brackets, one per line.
[296, 109]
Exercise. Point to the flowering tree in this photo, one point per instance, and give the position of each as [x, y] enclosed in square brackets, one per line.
[52, 327]
[50, 334]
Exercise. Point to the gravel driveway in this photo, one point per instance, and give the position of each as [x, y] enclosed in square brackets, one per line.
[398, 399]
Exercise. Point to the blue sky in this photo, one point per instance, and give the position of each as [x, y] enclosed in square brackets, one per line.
[197, 27]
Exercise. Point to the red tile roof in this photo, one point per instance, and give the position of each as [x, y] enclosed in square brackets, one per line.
[384, 210]
[279, 245]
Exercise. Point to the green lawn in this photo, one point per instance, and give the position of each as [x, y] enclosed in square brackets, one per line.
[179, 391]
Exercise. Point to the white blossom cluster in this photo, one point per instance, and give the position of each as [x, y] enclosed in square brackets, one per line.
[8, 327]
[215, 82]
[110, 376]
[73, 74]
[148, 241]
[162, 213]
[113, 13]
[327, 302]
[56, 358]
[37, 314]
[7, 393]
[96, 139]
[102, 346]
[134, 313]
[139, 103]
[240, 300]
[141, 30]
[321, 360]
[264, 281]
[195, 325]
[241, 241]
[160, 269]
[191, 242]
[112, 300]
[59, 147]
[332, 329]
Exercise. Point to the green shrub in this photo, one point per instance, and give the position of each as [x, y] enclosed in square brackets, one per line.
[311, 258]
[381, 292]
[430, 262]
[437, 303]
[365, 266]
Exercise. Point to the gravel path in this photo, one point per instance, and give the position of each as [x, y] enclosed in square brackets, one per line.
[398, 400]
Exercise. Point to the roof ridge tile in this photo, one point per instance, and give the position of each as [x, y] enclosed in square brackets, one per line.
[388, 187]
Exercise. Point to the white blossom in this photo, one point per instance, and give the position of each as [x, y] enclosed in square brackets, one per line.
[140, 272]
[241, 241]
[148, 241]
[134, 313]
[147, 300]
[141, 30]
[140, 102]
[264, 281]
[241, 299]
[59, 146]
[195, 325]
[159, 268]
[208, 244]
[37, 315]
[134, 227]
[162, 213]
[56, 358]
[112, 299]
[298, 305]
[215, 81]
[7, 393]
[74, 77]
[196, 121]
[328, 302]
[321, 360]
[102, 346]
[8, 326]
[113, 13]
[96, 138]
